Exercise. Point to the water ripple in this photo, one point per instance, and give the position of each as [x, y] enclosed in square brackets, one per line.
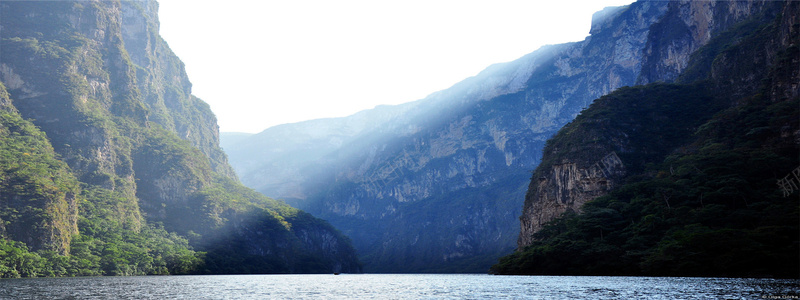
[397, 286]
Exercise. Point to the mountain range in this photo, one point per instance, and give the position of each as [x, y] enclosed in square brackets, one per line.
[110, 166]
[436, 185]
[666, 143]
[691, 176]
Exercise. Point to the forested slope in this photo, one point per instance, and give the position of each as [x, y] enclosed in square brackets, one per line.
[111, 167]
[697, 195]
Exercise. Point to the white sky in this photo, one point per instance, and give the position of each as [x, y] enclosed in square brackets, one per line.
[264, 63]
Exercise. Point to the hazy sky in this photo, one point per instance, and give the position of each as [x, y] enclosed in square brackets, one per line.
[264, 63]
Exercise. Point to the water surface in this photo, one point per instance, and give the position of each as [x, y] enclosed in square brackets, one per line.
[397, 286]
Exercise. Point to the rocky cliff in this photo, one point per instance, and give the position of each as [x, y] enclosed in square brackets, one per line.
[165, 87]
[671, 55]
[697, 195]
[434, 185]
[687, 26]
[116, 108]
[567, 188]
[33, 180]
[276, 161]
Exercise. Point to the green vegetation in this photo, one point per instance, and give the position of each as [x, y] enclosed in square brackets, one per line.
[711, 209]
[38, 190]
[701, 199]
[40, 195]
[152, 251]
[86, 231]
[296, 238]
[89, 185]
[648, 119]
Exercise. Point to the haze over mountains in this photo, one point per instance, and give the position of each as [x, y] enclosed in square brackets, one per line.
[652, 147]
[110, 166]
[694, 177]
[435, 185]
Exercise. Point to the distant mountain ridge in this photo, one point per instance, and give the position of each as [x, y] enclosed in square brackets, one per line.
[231, 138]
[435, 185]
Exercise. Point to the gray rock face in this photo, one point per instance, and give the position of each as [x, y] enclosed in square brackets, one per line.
[101, 72]
[566, 188]
[436, 184]
[276, 161]
[671, 42]
[165, 87]
[688, 26]
[96, 77]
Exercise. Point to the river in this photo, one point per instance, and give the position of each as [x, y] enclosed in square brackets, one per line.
[397, 286]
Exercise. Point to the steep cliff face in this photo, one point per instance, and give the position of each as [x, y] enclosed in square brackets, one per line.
[595, 152]
[699, 194]
[789, 30]
[32, 180]
[731, 72]
[688, 26]
[165, 87]
[433, 187]
[277, 160]
[116, 106]
[79, 47]
[685, 28]
[574, 186]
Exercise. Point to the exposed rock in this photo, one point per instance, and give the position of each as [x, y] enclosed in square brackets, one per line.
[115, 104]
[566, 188]
[672, 45]
[431, 185]
[687, 26]
[165, 87]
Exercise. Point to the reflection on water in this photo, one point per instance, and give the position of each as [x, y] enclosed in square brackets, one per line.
[396, 286]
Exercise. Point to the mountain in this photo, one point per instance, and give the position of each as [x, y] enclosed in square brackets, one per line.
[678, 177]
[110, 166]
[228, 139]
[436, 185]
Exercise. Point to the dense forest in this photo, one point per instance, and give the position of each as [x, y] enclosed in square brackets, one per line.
[109, 166]
[435, 185]
[712, 168]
